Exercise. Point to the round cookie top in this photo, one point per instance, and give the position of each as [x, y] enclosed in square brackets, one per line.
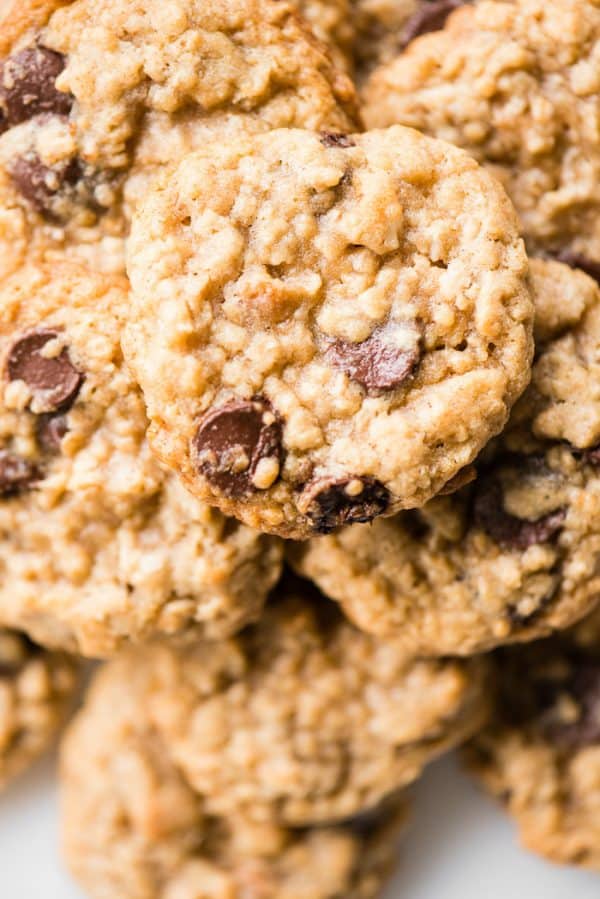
[36, 688]
[517, 85]
[301, 718]
[98, 545]
[539, 754]
[90, 92]
[326, 328]
[133, 825]
[514, 552]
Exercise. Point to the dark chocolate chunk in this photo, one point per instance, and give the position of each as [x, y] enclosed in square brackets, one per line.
[381, 362]
[16, 474]
[578, 260]
[53, 380]
[507, 530]
[41, 185]
[430, 16]
[330, 503]
[50, 430]
[332, 139]
[232, 440]
[28, 86]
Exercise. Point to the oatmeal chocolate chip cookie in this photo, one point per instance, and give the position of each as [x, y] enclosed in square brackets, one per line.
[89, 98]
[518, 86]
[301, 718]
[326, 327]
[540, 753]
[36, 688]
[515, 552]
[134, 824]
[385, 27]
[97, 544]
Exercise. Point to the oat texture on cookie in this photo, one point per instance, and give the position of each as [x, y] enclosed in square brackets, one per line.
[97, 94]
[133, 824]
[514, 553]
[98, 545]
[301, 718]
[539, 753]
[517, 85]
[326, 328]
[36, 690]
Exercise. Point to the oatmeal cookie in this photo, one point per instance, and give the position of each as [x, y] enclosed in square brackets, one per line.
[517, 85]
[515, 553]
[326, 328]
[301, 718]
[36, 688]
[540, 753]
[134, 825]
[90, 92]
[97, 544]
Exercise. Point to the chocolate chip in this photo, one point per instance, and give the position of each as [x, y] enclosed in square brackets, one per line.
[28, 86]
[50, 430]
[582, 689]
[16, 474]
[577, 260]
[381, 362]
[430, 16]
[330, 503]
[331, 139]
[54, 381]
[507, 530]
[41, 184]
[233, 440]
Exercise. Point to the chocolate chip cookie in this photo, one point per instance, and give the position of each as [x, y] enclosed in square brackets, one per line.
[326, 328]
[97, 544]
[135, 825]
[540, 754]
[301, 719]
[514, 553]
[36, 688]
[517, 85]
[97, 94]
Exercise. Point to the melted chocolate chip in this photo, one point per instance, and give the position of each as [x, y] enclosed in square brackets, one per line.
[507, 530]
[381, 362]
[16, 474]
[330, 503]
[231, 442]
[28, 86]
[50, 430]
[430, 16]
[54, 381]
[331, 139]
[577, 260]
[41, 185]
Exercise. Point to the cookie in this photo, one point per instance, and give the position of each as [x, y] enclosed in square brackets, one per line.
[301, 719]
[514, 553]
[90, 92]
[98, 545]
[134, 825]
[36, 689]
[326, 328]
[540, 755]
[517, 85]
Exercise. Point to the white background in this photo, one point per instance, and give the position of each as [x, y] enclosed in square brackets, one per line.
[458, 846]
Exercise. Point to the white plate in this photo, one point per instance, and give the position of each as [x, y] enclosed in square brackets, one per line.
[458, 846]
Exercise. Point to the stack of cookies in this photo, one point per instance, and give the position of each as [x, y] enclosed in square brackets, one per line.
[299, 427]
